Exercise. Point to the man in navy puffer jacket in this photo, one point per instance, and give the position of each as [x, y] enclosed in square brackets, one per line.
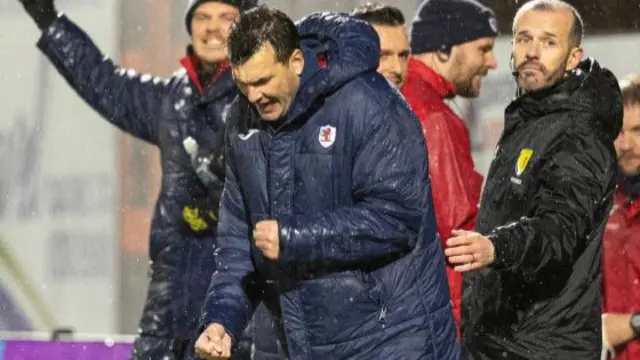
[186, 109]
[326, 215]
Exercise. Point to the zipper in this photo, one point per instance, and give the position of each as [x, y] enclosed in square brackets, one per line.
[382, 318]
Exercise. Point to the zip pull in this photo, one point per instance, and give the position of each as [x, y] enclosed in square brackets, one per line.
[383, 315]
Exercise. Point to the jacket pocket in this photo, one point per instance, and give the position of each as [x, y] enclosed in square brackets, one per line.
[337, 307]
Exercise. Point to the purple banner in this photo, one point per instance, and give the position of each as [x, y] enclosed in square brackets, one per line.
[54, 350]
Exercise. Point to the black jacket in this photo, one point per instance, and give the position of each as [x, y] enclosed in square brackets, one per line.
[544, 206]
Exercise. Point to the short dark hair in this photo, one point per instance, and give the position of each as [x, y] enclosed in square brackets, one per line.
[260, 26]
[577, 27]
[630, 87]
[379, 14]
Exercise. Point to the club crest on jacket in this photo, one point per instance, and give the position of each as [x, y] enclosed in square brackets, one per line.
[523, 160]
[327, 136]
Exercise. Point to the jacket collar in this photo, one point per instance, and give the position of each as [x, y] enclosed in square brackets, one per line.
[629, 205]
[191, 64]
[628, 194]
[630, 185]
[421, 75]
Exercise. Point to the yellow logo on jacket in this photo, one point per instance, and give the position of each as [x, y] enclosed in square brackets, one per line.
[193, 217]
[523, 160]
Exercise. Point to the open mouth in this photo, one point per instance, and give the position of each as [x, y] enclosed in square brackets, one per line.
[213, 43]
[267, 106]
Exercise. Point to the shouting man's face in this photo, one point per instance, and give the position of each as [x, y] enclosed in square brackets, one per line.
[210, 29]
[268, 84]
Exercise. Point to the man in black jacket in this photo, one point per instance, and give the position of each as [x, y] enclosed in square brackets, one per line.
[534, 292]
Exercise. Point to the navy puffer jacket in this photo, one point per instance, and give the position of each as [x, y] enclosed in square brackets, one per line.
[361, 272]
[162, 112]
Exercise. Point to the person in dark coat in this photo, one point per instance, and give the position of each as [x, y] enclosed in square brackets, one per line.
[531, 288]
[181, 116]
[326, 215]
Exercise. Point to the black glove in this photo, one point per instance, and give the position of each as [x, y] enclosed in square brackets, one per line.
[43, 12]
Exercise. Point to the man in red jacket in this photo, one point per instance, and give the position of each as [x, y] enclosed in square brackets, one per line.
[621, 245]
[452, 50]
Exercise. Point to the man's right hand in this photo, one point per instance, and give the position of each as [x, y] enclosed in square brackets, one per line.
[43, 12]
[616, 330]
[214, 343]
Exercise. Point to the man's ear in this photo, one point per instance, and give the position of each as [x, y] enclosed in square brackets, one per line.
[296, 60]
[444, 54]
[575, 56]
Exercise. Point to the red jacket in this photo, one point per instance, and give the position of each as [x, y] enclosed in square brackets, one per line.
[455, 184]
[621, 264]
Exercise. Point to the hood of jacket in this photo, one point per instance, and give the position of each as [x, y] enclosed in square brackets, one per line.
[350, 46]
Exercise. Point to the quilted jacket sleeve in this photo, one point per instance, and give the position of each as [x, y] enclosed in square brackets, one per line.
[232, 296]
[128, 100]
[391, 195]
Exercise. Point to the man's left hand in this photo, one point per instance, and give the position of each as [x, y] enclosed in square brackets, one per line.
[469, 250]
[266, 235]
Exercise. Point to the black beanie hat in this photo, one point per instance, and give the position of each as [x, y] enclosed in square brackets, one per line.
[441, 24]
[242, 5]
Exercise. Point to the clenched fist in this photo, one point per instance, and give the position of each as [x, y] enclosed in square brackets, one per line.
[267, 237]
[43, 12]
[214, 343]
